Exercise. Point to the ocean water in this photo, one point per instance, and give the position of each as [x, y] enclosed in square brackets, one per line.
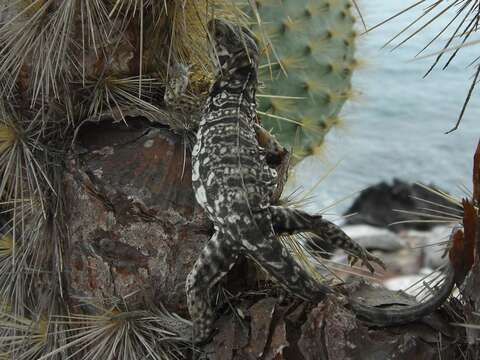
[396, 125]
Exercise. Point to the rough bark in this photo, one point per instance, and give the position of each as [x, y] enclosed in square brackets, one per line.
[135, 232]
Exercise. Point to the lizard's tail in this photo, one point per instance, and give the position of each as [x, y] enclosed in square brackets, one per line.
[287, 221]
[389, 316]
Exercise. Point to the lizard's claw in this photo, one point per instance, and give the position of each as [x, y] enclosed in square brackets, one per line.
[366, 258]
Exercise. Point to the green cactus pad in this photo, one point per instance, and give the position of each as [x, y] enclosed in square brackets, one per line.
[308, 70]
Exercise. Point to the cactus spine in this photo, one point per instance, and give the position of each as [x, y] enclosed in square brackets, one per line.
[63, 63]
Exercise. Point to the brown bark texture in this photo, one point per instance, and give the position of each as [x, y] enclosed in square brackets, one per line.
[135, 232]
[135, 229]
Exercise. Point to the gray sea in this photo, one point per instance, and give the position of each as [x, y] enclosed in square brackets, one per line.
[396, 125]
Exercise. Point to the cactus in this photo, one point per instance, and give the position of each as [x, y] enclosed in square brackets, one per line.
[63, 64]
[307, 75]
[98, 225]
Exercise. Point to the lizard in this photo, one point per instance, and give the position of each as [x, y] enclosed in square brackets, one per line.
[234, 184]
[186, 107]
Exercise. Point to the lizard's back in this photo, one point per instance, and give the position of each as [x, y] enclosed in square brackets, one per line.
[230, 173]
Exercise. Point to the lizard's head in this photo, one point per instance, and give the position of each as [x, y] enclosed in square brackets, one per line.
[234, 46]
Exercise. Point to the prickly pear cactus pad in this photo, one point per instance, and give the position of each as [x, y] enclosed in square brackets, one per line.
[307, 71]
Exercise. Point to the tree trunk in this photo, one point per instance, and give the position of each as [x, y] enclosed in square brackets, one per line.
[135, 229]
[135, 232]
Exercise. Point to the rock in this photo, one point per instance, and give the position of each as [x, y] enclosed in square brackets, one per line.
[373, 238]
[408, 283]
[405, 261]
[432, 244]
[377, 205]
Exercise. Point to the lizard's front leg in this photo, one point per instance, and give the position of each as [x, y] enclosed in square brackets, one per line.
[289, 220]
[277, 157]
[276, 153]
[216, 259]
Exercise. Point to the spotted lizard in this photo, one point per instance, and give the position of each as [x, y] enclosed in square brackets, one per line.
[234, 184]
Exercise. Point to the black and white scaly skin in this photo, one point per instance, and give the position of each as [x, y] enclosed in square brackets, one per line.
[234, 185]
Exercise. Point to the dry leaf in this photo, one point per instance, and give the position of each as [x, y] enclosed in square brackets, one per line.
[261, 314]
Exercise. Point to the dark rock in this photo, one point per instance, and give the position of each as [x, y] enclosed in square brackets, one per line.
[373, 238]
[378, 205]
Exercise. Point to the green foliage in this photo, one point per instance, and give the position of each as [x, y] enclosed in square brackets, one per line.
[308, 73]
